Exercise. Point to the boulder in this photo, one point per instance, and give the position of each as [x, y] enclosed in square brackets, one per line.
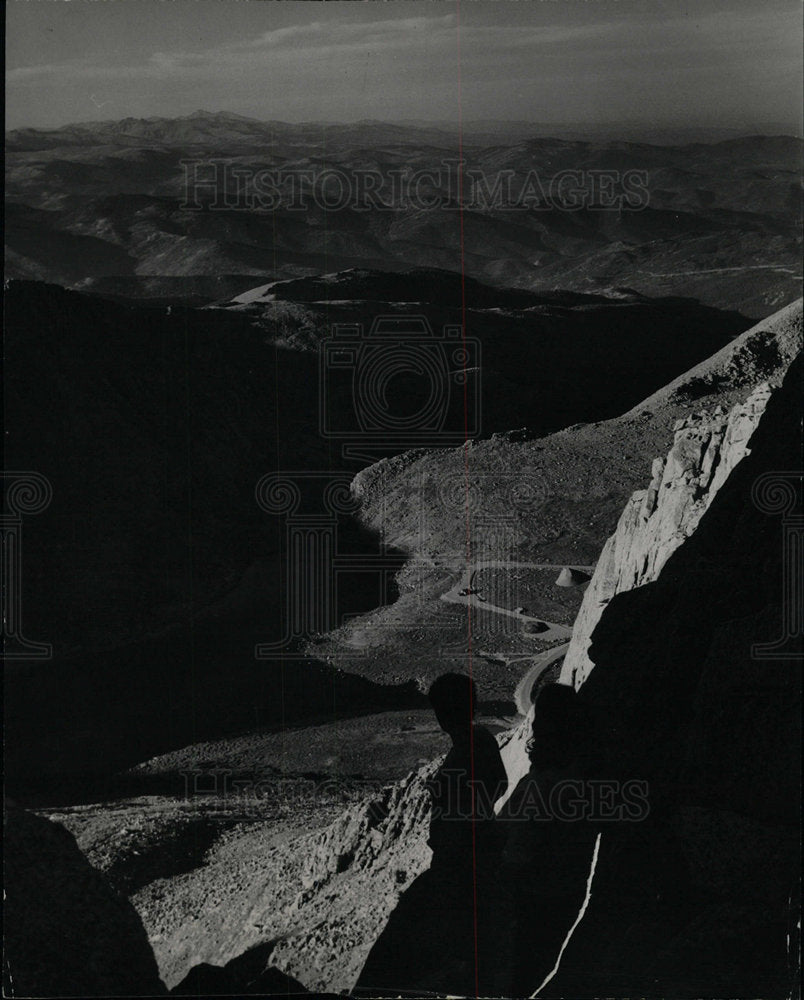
[569, 577]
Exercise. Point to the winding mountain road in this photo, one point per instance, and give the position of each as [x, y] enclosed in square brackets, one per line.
[539, 662]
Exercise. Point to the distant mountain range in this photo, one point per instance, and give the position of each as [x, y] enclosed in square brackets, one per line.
[106, 207]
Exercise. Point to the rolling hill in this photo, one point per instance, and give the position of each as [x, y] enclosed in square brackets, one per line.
[105, 207]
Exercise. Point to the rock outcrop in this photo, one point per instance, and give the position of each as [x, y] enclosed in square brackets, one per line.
[696, 688]
[67, 932]
[656, 521]
[762, 353]
[320, 900]
[569, 577]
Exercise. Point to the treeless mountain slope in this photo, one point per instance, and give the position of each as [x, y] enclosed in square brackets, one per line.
[718, 221]
[693, 896]
[154, 570]
[761, 353]
[553, 499]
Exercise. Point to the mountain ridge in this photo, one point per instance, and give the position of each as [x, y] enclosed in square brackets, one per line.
[111, 205]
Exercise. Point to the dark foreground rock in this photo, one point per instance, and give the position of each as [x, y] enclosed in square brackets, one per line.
[249, 974]
[695, 683]
[67, 933]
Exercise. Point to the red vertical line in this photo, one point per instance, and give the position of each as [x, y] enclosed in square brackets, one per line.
[285, 576]
[466, 495]
[299, 591]
[190, 498]
[325, 212]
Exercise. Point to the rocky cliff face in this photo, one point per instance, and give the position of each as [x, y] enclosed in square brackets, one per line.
[352, 878]
[656, 521]
[692, 902]
[315, 904]
[696, 688]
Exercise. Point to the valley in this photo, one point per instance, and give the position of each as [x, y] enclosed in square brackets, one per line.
[198, 208]
[304, 457]
[219, 812]
[402, 499]
[159, 564]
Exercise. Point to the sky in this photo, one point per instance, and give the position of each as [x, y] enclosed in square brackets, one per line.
[704, 63]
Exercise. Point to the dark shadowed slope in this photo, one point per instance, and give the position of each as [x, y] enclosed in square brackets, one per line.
[67, 933]
[154, 562]
[697, 688]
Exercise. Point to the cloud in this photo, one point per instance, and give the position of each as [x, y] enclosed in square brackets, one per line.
[424, 38]
[325, 41]
[337, 63]
[399, 31]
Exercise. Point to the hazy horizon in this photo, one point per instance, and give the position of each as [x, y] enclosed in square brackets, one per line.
[631, 64]
[767, 129]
